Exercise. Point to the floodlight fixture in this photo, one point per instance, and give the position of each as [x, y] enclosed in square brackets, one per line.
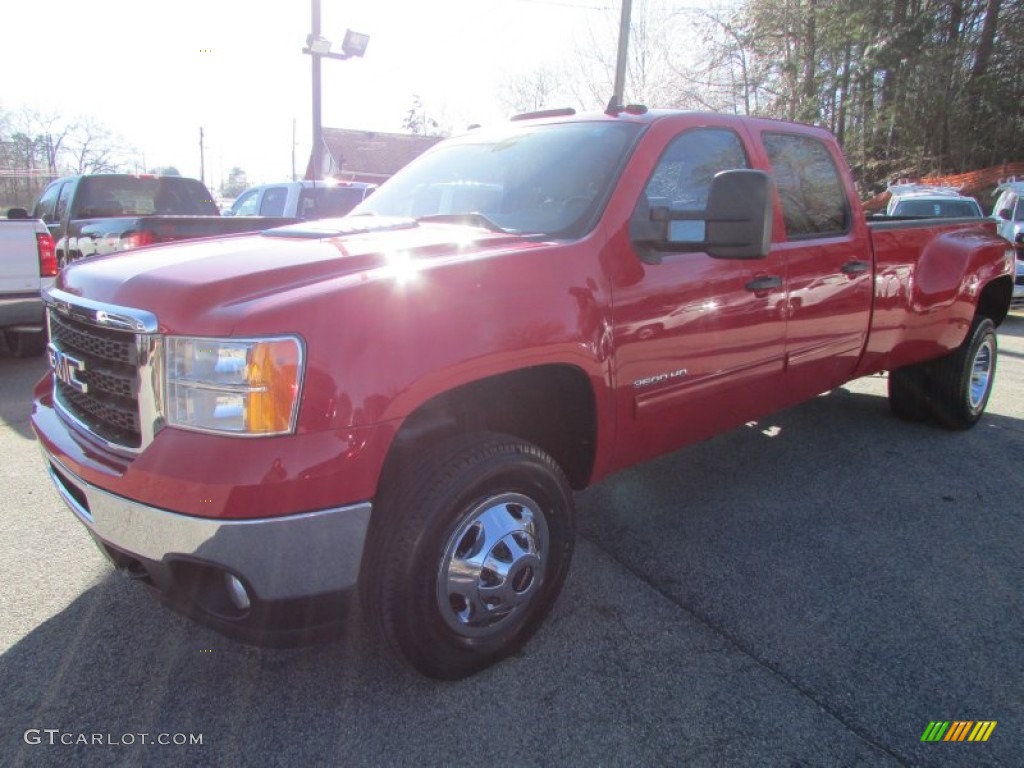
[317, 44]
[355, 43]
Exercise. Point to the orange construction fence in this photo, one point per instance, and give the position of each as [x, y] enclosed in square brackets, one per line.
[968, 183]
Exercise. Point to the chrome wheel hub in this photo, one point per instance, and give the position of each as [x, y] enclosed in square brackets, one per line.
[493, 565]
[981, 374]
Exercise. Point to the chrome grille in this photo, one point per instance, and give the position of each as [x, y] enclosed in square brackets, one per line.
[110, 420]
[114, 346]
[113, 390]
[109, 406]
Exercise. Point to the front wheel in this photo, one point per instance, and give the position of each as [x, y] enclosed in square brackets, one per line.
[468, 551]
[962, 380]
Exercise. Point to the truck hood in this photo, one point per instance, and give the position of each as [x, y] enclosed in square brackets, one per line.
[208, 278]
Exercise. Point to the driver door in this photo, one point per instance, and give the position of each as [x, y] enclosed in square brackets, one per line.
[700, 341]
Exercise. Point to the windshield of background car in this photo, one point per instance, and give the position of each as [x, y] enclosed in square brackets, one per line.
[944, 209]
[101, 196]
[325, 202]
[550, 180]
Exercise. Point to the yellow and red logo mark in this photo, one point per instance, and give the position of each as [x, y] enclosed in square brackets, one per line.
[958, 730]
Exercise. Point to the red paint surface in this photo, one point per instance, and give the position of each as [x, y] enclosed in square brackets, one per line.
[674, 352]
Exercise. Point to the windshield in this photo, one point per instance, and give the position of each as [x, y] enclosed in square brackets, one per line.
[551, 180]
[943, 209]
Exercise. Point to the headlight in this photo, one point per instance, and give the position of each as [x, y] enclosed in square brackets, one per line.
[248, 387]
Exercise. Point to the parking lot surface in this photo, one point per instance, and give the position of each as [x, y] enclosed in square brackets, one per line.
[811, 590]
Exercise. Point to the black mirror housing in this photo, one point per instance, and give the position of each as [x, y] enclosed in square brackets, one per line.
[737, 223]
[739, 215]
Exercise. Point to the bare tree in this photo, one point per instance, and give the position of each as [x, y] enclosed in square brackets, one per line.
[532, 91]
[661, 41]
[93, 148]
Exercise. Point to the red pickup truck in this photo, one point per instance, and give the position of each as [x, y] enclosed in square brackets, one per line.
[399, 404]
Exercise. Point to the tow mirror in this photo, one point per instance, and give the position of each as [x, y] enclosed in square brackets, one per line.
[737, 223]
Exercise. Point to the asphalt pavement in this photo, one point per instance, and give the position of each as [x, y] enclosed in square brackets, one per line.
[811, 590]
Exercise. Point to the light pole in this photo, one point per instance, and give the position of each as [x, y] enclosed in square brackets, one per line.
[318, 48]
[202, 157]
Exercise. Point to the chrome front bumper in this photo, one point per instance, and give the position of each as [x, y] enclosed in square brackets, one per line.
[278, 559]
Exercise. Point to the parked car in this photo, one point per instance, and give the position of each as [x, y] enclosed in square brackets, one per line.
[1009, 215]
[926, 202]
[108, 212]
[399, 404]
[302, 199]
[27, 265]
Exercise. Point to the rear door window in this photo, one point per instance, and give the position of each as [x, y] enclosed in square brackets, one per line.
[274, 199]
[809, 185]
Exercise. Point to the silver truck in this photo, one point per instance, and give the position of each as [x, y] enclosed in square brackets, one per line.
[28, 263]
[301, 199]
[1009, 215]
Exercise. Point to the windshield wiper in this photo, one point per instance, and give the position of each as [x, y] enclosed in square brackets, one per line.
[470, 219]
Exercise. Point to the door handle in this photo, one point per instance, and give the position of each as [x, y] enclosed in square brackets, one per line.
[856, 267]
[764, 283]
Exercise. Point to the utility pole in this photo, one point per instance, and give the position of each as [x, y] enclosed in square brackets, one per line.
[202, 157]
[318, 136]
[620, 62]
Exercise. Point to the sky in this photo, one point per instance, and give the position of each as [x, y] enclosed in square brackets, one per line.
[155, 71]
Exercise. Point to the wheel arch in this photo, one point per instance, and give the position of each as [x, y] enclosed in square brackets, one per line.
[994, 300]
[552, 406]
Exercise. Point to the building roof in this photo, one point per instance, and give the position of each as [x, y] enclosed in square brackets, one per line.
[369, 155]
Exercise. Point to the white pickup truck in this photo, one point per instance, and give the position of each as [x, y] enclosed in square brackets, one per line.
[28, 263]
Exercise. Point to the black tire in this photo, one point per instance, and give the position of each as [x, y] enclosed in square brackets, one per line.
[908, 393]
[962, 380]
[503, 510]
[25, 343]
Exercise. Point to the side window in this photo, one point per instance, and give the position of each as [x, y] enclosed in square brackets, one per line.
[47, 204]
[246, 204]
[1019, 216]
[273, 201]
[63, 200]
[810, 189]
[682, 179]
[1003, 203]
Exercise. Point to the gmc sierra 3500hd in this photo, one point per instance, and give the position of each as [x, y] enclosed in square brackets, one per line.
[402, 401]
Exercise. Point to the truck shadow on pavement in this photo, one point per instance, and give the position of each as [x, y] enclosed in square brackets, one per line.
[1013, 325]
[814, 588]
[17, 379]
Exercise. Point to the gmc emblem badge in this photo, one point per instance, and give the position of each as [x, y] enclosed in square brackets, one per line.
[65, 367]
